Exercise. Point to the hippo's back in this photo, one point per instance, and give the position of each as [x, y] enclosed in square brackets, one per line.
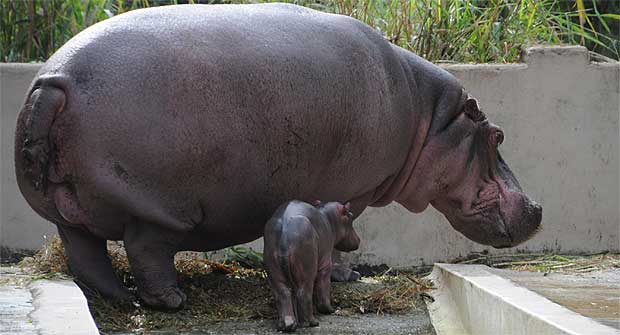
[214, 115]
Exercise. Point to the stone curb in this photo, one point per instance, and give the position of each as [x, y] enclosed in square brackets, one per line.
[471, 300]
[60, 308]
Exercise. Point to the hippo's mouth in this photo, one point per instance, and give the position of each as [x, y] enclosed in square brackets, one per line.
[482, 206]
[497, 217]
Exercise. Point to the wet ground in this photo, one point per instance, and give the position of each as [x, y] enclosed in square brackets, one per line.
[593, 294]
[15, 304]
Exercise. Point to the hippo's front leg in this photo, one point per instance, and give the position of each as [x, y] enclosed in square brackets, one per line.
[151, 249]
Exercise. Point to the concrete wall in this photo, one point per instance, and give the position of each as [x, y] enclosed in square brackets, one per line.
[560, 115]
[20, 226]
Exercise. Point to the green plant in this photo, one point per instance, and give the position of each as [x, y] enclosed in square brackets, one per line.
[439, 30]
[245, 257]
[482, 31]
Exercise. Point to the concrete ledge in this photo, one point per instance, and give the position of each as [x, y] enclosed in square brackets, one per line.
[472, 300]
[60, 308]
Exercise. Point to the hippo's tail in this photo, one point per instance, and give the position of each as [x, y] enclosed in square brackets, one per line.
[33, 145]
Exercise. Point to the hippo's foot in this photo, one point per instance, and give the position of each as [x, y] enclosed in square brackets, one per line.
[313, 322]
[168, 299]
[150, 249]
[325, 309]
[287, 324]
[90, 264]
[343, 273]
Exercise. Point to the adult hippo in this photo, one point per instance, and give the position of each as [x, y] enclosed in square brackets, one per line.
[184, 127]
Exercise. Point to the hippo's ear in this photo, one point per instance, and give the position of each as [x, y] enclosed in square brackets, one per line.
[317, 203]
[472, 109]
[346, 210]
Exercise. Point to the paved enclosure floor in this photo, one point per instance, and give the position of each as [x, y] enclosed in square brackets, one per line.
[15, 304]
[592, 294]
[417, 323]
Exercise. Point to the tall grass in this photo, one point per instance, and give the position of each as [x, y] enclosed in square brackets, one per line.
[31, 30]
[439, 30]
[484, 31]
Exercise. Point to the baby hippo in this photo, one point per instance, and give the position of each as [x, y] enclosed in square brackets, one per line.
[299, 240]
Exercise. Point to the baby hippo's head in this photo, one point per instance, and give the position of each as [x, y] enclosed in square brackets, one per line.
[340, 218]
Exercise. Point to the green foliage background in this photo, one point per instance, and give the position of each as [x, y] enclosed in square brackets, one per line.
[439, 30]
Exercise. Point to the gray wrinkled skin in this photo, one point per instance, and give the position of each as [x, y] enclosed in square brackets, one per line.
[184, 127]
[299, 239]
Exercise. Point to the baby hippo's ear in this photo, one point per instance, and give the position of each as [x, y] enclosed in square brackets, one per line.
[346, 210]
[317, 203]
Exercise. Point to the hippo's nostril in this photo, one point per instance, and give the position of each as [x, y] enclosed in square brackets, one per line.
[537, 213]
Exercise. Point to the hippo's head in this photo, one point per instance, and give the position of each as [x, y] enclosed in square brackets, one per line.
[461, 173]
[341, 219]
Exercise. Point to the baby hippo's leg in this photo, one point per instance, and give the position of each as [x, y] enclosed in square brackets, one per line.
[279, 282]
[322, 285]
[304, 271]
[287, 321]
[305, 309]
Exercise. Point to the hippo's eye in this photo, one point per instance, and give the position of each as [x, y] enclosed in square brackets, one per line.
[497, 137]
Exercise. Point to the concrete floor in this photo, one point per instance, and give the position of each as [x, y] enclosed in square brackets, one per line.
[15, 303]
[41, 307]
[417, 323]
[593, 294]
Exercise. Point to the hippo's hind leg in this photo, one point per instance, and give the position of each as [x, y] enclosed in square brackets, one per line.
[89, 262]
[151, 249]
[305, 308]
[322, 286]
[287, 321]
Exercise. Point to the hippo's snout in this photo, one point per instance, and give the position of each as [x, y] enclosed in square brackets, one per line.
[522, 220]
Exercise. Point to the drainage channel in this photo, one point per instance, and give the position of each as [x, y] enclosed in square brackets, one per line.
[472, 300]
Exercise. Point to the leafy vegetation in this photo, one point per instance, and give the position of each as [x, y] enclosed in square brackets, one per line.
[439, 30]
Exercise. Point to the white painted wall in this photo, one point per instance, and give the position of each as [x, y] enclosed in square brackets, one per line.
[20, 226]
[560, 115]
